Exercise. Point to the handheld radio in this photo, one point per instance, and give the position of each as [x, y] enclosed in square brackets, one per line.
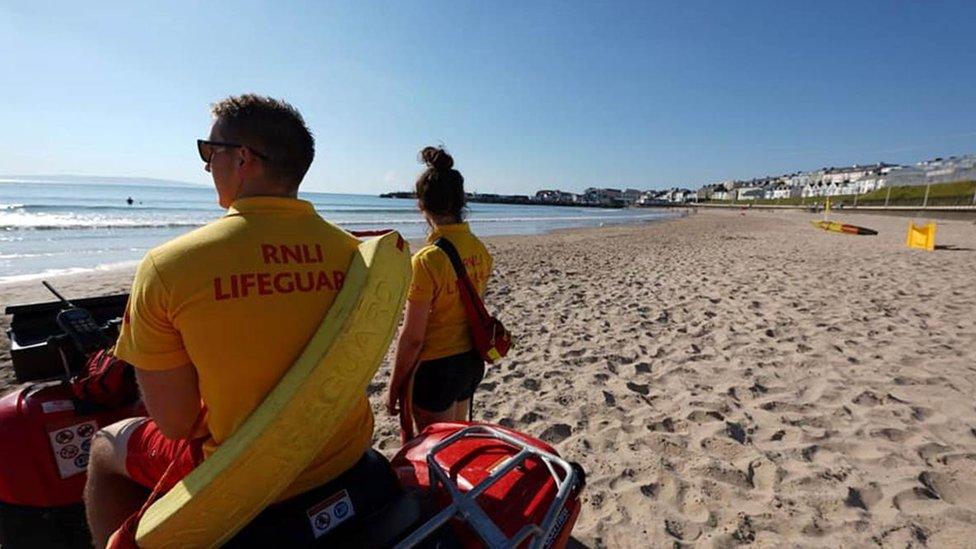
[79, 325]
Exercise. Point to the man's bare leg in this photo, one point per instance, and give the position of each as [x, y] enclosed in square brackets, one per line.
[110, 495]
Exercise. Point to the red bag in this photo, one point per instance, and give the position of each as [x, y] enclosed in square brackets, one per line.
[106, 381]
[491, 339]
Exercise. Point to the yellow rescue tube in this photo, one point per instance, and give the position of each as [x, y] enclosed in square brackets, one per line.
[284, 434]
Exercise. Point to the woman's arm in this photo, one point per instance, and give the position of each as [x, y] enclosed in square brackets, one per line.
[409, 344]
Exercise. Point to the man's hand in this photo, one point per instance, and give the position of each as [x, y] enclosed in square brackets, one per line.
[172, 398]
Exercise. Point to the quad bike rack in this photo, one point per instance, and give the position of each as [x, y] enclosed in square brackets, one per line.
[464, 506]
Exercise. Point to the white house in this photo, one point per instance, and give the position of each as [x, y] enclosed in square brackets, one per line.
[868, 184]
[650, 197]
[668, 195]
[721, 193]
[799, 179]
[783, 190]
[814, 189]
[749, 193]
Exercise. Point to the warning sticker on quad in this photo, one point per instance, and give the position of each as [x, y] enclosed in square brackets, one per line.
[70, 446]
[330, 512]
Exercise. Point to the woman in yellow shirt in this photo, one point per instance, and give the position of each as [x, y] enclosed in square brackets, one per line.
[436, 336]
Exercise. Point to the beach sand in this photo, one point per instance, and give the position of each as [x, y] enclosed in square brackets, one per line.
[734, 377]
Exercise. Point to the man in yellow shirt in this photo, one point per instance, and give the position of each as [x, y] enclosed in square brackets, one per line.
[217, 316]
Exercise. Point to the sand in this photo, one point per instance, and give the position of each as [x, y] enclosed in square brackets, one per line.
[728, 379]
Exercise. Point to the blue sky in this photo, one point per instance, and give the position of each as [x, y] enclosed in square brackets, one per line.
[553, 94]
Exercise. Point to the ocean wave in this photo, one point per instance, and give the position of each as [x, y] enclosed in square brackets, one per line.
[19, 220]
[69, 225]
[10, 279]
[69, 208]
[29, 255]
[212, 210]
[51, 223]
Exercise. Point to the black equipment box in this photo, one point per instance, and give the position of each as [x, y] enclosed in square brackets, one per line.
[35, 355]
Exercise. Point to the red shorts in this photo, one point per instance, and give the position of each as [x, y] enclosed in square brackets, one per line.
[149, 454]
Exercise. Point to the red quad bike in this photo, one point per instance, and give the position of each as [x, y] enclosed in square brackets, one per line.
[455, 485]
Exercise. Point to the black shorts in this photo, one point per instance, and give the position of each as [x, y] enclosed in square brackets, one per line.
[441, 382]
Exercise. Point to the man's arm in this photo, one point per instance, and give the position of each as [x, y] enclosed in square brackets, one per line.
[149, 341]
[172, 398]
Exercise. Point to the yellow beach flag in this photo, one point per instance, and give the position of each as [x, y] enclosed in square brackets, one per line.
[921, 236]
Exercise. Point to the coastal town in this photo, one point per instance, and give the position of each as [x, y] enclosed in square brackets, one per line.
[824, 182]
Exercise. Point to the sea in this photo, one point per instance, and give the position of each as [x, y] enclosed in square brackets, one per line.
[49, 228]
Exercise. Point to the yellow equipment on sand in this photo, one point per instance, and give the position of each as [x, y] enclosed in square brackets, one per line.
[283, 435]
[921, 236]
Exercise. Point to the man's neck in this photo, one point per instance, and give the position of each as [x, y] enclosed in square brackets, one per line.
[251, 189]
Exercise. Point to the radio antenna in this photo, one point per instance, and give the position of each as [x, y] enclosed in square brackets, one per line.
[55, 292]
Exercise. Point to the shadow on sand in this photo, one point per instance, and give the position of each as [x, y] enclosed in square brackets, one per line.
[574, 543]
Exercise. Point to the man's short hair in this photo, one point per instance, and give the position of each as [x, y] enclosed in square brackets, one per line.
[273, 128]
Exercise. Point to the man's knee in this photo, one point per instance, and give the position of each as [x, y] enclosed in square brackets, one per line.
[109, 447]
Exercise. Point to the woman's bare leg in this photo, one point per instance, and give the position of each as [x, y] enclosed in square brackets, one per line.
[461, 410]
[423, 418]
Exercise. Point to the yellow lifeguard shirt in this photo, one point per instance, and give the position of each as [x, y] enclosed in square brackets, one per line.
[434, 280]
[239, 298]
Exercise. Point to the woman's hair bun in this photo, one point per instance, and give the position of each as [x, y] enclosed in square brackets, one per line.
[436, 158]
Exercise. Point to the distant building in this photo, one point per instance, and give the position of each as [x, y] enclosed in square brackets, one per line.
[705, 193]
[815, 189]
[650, 198]
[555, 196]
[605, 192]
[798, 180]
[594, 195]
[834, 181]
[677, 196]
[717, 191]
[937, 170]
[748, 192]
[721, 193]
[630, 196]
[784, 190]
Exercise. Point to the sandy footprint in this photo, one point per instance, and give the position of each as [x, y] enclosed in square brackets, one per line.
[950, 488]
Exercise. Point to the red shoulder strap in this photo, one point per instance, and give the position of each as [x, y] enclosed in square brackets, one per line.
[474, 306]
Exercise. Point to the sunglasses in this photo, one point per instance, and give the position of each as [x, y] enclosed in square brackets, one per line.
[207, 149]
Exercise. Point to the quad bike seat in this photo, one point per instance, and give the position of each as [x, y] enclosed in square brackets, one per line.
[363, 507]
